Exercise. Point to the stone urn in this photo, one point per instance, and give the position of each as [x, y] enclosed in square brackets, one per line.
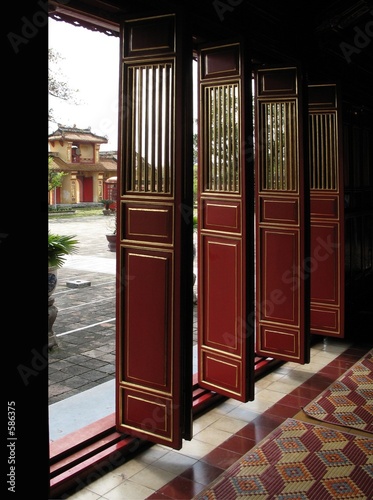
[52, 309]
[59, 246]
[52, 279]
[112, 242]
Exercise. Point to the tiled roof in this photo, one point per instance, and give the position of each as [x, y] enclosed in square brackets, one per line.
[109, 154]
[76, 135]
[109, 166]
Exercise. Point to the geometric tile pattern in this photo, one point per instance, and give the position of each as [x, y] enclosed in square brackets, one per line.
[349, 400]
[297, 461]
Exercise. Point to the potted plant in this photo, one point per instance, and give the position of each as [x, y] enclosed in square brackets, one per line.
[107, 210]
[112, 238]
[59, 246]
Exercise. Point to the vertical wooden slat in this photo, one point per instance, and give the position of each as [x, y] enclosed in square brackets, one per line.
[312, 150]
[281, 136]
[158, 151]
[147, 112]
[131, 174]
[225, 159]
[153, 161]
[270, 131]
[140, 130]
[231, 138]
[218, 140]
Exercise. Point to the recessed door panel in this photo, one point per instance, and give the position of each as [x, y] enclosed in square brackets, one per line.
[275, 210]
[221, 215]
[156, 414]
[147, 337]
[325, 320]
[223, 372]
[279, 341]
[279, 289]
[223, 285]
[324, 264]
[149, 222]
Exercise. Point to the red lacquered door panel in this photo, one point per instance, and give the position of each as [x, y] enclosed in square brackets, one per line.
[327, 211]
[225, 227]
[155, 252]
[282, 319]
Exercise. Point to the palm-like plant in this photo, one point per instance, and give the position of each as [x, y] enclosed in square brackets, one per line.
[59, 246]
[107, 203]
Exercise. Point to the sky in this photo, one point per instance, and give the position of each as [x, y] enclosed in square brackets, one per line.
[89, 61]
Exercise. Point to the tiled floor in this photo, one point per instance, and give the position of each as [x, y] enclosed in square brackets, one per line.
[222, 435]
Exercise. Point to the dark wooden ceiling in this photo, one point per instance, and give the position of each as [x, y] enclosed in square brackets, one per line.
[331, 40]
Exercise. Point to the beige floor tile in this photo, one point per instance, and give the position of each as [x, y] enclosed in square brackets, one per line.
[268, 380]
[152, 454]
[248, 411]
[107, 482]
[133, 466]
[323, 356]
[291, 381]
[213, 436]
[205, 421]
[128, 491]
[226, 406]
[313, 367]
[269, 395]
[85, 494]
[317, 347]
[195, 449]
[153, 477]
[229, 424]
[284, 369]
[284, 387]
[174, 462]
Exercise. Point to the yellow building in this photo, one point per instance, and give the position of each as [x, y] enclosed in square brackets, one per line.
[76, 152]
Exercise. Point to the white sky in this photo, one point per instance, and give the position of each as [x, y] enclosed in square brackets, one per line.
[89, 62]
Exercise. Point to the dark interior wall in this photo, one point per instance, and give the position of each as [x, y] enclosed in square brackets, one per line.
[358, 185]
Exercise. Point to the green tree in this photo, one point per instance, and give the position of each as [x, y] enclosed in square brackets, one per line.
[54, 177]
